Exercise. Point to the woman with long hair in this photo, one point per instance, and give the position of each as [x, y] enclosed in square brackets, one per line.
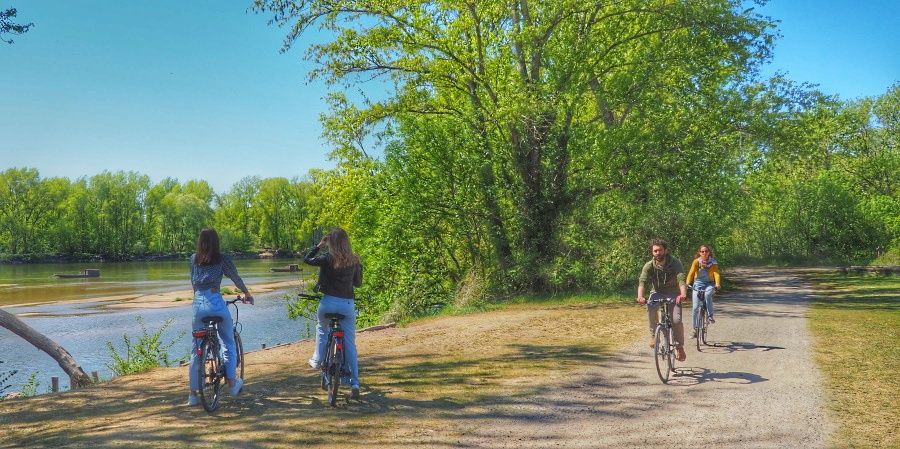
[208, 265]
[704, 274]
[339, 272]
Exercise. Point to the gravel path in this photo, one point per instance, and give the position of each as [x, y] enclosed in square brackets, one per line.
[756, 387]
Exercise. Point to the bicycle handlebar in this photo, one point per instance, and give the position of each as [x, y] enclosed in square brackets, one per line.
[668, 300]
[239, 298]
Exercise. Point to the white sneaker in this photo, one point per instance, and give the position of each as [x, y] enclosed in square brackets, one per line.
[193, 400]
[313, 364]
[236, 387]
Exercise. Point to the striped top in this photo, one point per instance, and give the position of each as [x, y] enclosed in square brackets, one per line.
[210, 276]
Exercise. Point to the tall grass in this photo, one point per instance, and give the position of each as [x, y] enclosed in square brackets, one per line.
[149, 351]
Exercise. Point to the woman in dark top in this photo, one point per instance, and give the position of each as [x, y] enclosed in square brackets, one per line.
[208, 265]
[339, 272]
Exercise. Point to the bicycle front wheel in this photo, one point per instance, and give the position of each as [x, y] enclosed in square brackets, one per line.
[212, 374]
[239, 354]
[701, 333]
[661, 353]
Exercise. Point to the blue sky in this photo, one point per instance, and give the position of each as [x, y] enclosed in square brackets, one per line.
[199, 89]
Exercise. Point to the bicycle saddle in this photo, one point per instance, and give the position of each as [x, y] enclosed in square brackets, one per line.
[211, 319]
[334, 316]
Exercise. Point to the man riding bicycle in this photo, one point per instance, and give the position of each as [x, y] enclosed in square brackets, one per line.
[665, 274]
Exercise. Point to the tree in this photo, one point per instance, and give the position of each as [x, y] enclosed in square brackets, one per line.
[66, 362]
[8, 26]
[554, 104]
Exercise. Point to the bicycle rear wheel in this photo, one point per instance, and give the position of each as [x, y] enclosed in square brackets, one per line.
[661, 353]
[701, 334]
[337, 366]
[239, 353]
[212, 374]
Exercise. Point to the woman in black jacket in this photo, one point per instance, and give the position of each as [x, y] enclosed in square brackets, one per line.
[339, 272]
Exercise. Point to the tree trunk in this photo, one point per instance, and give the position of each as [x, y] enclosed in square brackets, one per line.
[40, 341]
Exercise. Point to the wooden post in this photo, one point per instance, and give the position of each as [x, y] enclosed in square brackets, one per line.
[95, 376]
[54, 384]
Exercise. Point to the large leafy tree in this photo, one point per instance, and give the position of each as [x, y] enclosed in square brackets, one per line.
[545, 106]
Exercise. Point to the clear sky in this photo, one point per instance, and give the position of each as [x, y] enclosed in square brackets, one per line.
[199, 90]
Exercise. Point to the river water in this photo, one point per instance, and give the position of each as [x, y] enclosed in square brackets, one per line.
[84, 329]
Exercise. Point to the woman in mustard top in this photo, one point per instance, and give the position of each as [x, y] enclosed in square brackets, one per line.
[703, 276]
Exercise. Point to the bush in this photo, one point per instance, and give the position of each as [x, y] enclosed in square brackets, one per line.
[30, 388]
[148, 352]
[4, 378]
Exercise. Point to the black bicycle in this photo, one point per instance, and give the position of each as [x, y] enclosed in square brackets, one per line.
[211, 369]
[704, 319]
[334, 366]
[664, 340]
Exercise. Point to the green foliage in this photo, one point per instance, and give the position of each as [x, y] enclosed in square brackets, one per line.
[8, 26]
[31, 386]
[148, 352]
[5, 376]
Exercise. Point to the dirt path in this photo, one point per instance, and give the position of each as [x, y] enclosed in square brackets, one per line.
[756, 387]
[573, 375]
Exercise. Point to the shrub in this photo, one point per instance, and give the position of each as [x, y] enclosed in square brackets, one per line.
[148, 352]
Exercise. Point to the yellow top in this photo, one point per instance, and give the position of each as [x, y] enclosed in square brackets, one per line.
[713, 272]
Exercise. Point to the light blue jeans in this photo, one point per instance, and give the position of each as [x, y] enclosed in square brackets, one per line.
[333, 304]
[210, 303]
[709, 290]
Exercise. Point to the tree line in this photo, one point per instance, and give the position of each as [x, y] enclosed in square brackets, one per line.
[123, 215]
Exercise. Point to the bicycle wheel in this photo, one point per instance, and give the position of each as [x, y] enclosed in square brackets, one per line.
[326, 363]
[337, 366]
[670, 352]
[701, 333]
[660, 352]
[211, 374]
[239, 353]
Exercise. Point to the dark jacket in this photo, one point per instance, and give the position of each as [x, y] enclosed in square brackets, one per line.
[334, 281]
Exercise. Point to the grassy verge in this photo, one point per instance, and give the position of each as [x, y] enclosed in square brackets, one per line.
[856, 323]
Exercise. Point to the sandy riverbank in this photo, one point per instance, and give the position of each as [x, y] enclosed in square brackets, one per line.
[174, 298]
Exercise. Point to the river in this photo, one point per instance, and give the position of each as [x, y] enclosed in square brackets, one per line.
[85, 328]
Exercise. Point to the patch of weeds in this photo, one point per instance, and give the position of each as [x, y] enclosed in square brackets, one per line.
[4, 378]
[31, 387]
[147, 352]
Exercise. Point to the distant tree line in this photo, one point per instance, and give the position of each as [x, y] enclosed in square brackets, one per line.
[122, 214]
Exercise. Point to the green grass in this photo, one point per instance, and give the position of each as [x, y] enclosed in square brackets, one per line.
[543, 299]
[856, 324]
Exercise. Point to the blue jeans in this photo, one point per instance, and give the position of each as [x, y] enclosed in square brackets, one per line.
[709, 290]
[333, 304]
[209, 303]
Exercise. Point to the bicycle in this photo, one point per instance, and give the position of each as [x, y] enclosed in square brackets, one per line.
[212, 363]
[334, 366]
[664, 344]
[704, 318]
